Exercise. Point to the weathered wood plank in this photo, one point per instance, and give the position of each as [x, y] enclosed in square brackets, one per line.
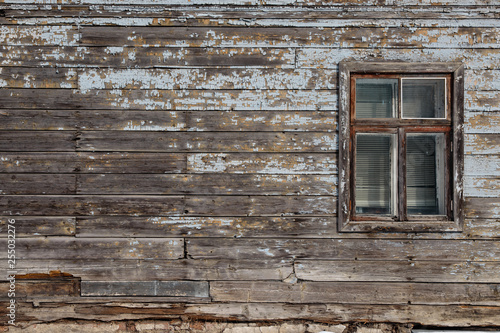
[176, 226]
[261, 205]
[266, 142]
[258, 121]
[254, 3]
[482, 80]
[98, 269]
[263, 163]
[398, 271]
[125, 57]
[482, 100]
[203, 78]
[92, 162]
[482, 165]
[330, 58]
[355, 293]
[272, 227]
[482, 143]
[37, 184]
[66, 35]
[20, 141]
[68, 205]
[36, 226]
[117, 14]
[145, 288]
[32, 77]
[345, 249]
[41, 288]
[482, 187]
[279, 100]
[85, 248]
[482, 207]
[483, 122]
[282, 37]
[433, 315]
[214, 184]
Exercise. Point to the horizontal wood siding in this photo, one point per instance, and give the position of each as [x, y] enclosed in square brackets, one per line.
[180, 158]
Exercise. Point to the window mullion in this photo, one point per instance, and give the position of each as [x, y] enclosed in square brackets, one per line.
[401, 180]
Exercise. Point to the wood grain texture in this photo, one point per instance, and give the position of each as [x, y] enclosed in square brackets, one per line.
[203, 226]
[113, 269]
[213, 184]
[126, 57]
[145, 288]
[355, 293]
[37, 141]
[41, 288]
[345, 249]
[36, 226]
[434, 315]
[49, 162]
[205, 142]
[195, 100]
[397, 271]
[71, 205]
[23, 77]
[280, 37]
[212, 121]
[16, 184]
[84, 248]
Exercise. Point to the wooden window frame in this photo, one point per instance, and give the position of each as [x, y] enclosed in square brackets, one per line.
[454, 218]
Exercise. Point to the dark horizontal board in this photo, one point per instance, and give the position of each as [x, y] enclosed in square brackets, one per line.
[304, 142]
[263, 163]
[125, 57]
[206, 78]
[330, 57]
[482, 122]
[169, 120]
[257, 226]
[92, 162]
[214, 184]
[88, 248]
[431, 315]
[99, 269]
[177, 226]
[355, 292]
[145, 288]
[482, 143]
[68, 99]
[344, 249]
[398, 271]
[37, 184]
[37, 141]
[36, 226]
[261, 205]
[71, 205]
[66, 35]
[25, 77]
[291, 37]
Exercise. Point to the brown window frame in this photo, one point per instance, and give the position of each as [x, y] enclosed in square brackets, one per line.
[451, 125]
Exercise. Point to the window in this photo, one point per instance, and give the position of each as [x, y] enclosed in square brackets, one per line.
[401, 147]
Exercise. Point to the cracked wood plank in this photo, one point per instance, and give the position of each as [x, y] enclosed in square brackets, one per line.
[87, 248]
[36, 226]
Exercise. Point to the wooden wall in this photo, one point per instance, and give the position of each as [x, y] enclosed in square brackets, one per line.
[176, 160]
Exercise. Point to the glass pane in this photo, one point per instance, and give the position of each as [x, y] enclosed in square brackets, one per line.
[425, 174]
[374, 174]
[376, 98]
[424, 98]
